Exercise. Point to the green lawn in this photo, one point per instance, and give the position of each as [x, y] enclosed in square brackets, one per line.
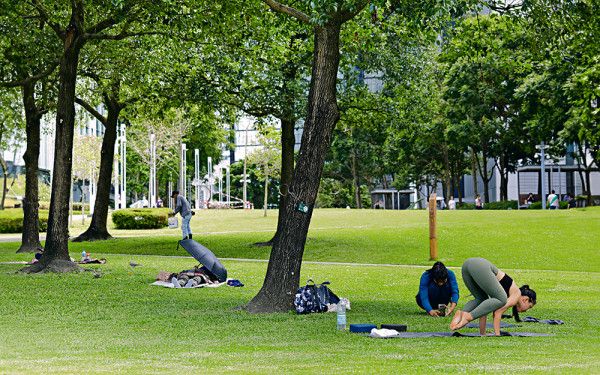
[118, 323]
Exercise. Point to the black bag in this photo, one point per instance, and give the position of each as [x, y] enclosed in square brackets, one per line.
[314, 299]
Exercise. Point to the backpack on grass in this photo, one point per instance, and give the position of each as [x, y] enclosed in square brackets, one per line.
[314, 299]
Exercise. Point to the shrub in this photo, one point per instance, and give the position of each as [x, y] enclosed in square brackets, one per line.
[11, 221]
[535, 206]
[501, 205]
[465, 206]
[77, 206]
[141, 218]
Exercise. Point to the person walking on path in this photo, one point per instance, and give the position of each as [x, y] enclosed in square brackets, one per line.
[494, 291]
[183, 207]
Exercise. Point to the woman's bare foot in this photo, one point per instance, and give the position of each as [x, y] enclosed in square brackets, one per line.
[465, 318]
[455, 319]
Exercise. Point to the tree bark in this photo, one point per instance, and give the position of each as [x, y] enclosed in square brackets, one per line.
[57, 241]
[283, 272]
[97, 230]
[30, 236]
[474, 170]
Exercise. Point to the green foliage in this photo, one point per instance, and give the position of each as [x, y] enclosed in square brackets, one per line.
[11, 221]
[513, 205]
[141, 218]
[336, 194]
[465, 206]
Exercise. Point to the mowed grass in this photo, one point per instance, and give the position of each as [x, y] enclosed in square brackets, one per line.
[76, 323]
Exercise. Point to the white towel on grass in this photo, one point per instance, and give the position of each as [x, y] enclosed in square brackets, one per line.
[383, 333]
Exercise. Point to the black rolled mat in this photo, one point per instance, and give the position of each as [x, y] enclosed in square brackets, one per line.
[406, 335]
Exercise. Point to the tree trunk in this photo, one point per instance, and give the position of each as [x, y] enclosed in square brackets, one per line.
[474, 170]
[57, 241]
[266, 194]
[288, 141]
[4, 167]
[283, 272]
[97, 230]
[589, 186]
[30, 236]
[447, 180]
[356, 181]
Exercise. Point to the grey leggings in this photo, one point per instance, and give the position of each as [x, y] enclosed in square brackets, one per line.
[480, 277]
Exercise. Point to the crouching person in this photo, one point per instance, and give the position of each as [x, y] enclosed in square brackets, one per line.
[438, 287]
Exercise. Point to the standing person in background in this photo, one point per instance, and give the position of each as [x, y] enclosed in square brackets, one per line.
[159, 202]
[553, 201]
[452, 203]
[438, 286]
[183, 207]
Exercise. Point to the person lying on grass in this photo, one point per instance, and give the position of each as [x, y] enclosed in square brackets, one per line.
[494, 291]
[438, 286]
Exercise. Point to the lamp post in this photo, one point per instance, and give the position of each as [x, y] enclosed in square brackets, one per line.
[123, 166]
[197, 177]
[152, 187]
[210, 179]
[228, 185]
[182, 171]
[541, 147]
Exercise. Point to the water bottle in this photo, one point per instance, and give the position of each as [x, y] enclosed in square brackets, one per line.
[341, 315]
[83, 256]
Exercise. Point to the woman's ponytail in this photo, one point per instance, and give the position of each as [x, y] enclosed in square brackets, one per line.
[525, 292]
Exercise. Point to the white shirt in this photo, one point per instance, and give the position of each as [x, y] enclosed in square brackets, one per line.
[452, 204]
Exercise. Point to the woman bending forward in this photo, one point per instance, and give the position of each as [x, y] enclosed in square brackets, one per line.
[494, 291]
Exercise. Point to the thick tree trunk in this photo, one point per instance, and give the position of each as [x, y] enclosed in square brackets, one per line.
[57, 241]
[97, 230]
[4, 168]
[283, 273]
[356, 181]
[30, 237]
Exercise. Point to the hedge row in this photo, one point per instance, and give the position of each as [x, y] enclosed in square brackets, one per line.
[11, 221]
[141, 218]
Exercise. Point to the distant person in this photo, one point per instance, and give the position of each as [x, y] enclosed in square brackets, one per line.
[572, 203]
[494, 292]
[144, 202]
[530, 199]
[478, 203]
[183, 207]
[452, 203]
[441, 204]
[438, 286]
[159, 202]
[553, 201]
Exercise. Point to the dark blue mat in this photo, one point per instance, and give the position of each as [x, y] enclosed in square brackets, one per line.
[406, 335]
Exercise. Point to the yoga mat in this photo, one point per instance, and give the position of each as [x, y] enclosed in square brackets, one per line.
[406, 335]
[491, 325]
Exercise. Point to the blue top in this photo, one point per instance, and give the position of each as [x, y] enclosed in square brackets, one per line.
[427, 283]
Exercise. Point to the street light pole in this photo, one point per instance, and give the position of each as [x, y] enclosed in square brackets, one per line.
[123, 167]
[182, 172]
[197, 177]
[541, 147]
[152, 187]
[245, 159]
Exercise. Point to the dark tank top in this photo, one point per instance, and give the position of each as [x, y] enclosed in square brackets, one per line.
[506, 283]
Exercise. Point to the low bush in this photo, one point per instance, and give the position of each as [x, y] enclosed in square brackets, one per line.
[77, 206]
[465, 206]
[538, 205]
[501, 205]
[11, 221]
[140, 218]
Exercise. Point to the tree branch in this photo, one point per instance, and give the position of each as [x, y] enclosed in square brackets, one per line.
[91, 110]
[33, 79]
[282, 8]
[45, 16]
